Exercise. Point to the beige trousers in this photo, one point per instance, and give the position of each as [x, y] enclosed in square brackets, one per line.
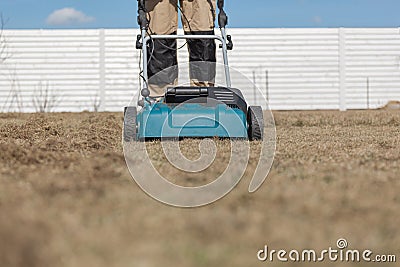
[198, 15]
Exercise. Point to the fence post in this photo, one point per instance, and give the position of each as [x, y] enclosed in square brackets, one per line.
[267, 86]
[342, 70]
[254, 88]
[102, 70]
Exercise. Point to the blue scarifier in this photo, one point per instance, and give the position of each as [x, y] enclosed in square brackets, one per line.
[191, 120]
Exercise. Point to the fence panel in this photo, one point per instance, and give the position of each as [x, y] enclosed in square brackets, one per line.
[294, 68]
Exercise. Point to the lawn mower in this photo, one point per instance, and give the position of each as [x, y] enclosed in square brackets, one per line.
[191, 111]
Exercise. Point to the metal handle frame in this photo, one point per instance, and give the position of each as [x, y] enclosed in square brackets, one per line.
[146, 39]
[222, 21]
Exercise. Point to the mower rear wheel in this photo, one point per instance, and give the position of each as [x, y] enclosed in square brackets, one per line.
[255, 119]
[130, 132]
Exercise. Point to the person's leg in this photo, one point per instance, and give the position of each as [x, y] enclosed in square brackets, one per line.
[162, 68]
[198, 18]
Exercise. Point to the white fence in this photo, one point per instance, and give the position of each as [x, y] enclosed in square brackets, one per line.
[295, 68]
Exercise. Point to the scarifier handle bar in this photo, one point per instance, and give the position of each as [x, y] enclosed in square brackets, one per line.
[146, 39]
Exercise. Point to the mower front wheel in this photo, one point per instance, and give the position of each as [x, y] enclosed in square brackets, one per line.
[255, 119]
[130, 131]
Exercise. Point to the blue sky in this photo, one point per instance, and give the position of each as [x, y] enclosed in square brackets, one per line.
[44, 14]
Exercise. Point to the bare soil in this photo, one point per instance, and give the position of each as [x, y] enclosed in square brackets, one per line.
[67, 199]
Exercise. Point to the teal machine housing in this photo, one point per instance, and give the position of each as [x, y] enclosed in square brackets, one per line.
[198, 112]
[191, 120]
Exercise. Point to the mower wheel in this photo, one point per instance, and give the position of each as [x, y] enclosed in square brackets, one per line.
[255, 119]
[130, 133]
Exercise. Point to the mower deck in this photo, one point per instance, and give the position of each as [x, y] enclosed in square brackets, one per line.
[197, 112]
